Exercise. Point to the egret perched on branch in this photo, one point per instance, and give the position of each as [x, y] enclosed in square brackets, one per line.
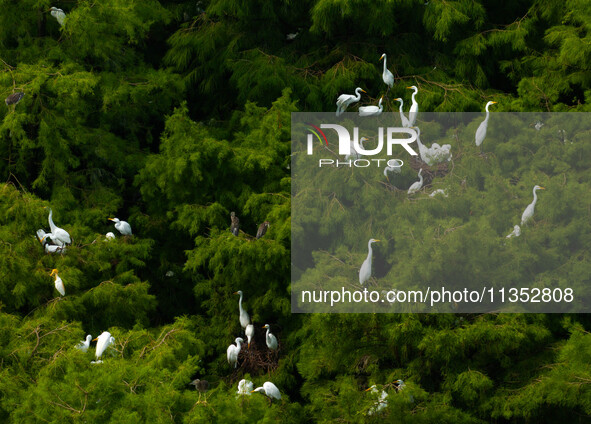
[417, 185]
[58, 235]
[403, 118]
[516, 232]
[346, 100]
[529, 211]
[245, 387]
[481, 131]
[201, 386]
[233, 352]
[14, 98]
[365, 271]
[84, 344]
[381, 402]
[59, 284]
[123, 226]
[234, 223]
[271, 339]
[270, 390]
[387, 76]
[414, 107]
[249, 331]
[263, 229]
[372, 110]
[244, 318]
[59, 15]
[102, 343]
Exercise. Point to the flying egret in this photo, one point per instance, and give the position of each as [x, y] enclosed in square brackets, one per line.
[14, 98]
[244, 318]
[58, 235]
[201, 386]
[416, 186]
[102, 343]
[271, 339]
[346, 100]
[529, 211]
[233, 352]
[245, 387]
[109, 236]
[263, 229]
[481, 131]
[249, 331]
[123, 226]
[387, 76]
[84, 344]
[372, 110]
[414, 107]
[234, 223]
[270, 390]
[516, 232]
[381, 402]
[59, 284]
[365, 271]
[403, 118]
[59, 15]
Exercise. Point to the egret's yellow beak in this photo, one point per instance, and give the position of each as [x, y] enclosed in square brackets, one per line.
[111, 219]
[43, 239]
[378, 240]
[53, 271]
[494, 103]
[94, 340]
[235, 293]
[382, 57]
[367, 390]
[364, 91]
[252, 391]
[542, 188]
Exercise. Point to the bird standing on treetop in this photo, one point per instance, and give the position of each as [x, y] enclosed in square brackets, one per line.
[346, 100]
[271, 339]
[365, 271]
[59, 15]
[244, 318]
[14, 98]
[59, 284]
[58, 235]
[234, 224]
[414, 107]
[84, 344]
[372, 110]
[387, 76]
[123, 226]
[233, 352]
[403, 118]
[270, 390]
[201, 386]
[262, 229]
[481, 131]
[529, 211]
[249, 331]
[416, 186]
[102, 343]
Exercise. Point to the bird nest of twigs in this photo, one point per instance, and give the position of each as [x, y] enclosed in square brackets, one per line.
[258, 359]
[430, 172]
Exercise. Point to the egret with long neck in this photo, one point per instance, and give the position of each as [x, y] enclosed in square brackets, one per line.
[414, 107]
[365, 271]
[481, 131]
[244, 318]
[528, 213]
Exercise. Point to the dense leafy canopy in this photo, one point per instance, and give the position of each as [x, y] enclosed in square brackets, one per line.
[171, 114]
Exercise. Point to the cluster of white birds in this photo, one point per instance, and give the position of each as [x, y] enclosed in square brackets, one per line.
[103, 342]
[381, 402]
[246, 388]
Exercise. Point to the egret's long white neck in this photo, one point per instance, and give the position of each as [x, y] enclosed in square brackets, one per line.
[380, 104]
[385, 68]
[358, 94]
[240, 304]
[414, 93]
[487, 112]
[421, 178]
[535, 197]
[238, 344]
[51, 224]
[267, 335]
[369, 254]
[400, 108]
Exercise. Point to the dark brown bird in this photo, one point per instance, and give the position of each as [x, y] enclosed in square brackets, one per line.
[235, 226]
[14, 98]
[262, 229]
[202, 386]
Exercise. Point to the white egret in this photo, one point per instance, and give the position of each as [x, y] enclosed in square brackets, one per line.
[44, 239]
[102, 343]
[233, 352]
[245, 387]
[417, 185]
[423, 151]
[14, 98]
[529, 211]
[109, 236]
[481, 131]
[414, 107]
[59, 15]
[244, 318]
[234, 223]
[387, 76]
[58, 235]
[346, 100]
[59, 284]
[365, 271]
[263, 229]
[438, 191]
[201, 386]
[403, 118]
[538, 126]
[516, 232]
[270, 390]
[381, 402]
[52, 248]
[271, 339]
[292, 36]
[396, 169]
[123, 226]
[372, 110]
[249, 331]
[84, 344]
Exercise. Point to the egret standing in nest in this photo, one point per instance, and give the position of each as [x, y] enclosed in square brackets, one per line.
[417, 185]
[270, 338]
[233, 351]
[59, 15]
[365, 271]
[123, 226]
[414, 107]
[403, 118]
[58, 235]
[244, 318]
[481, 131]
[49, 248]
[346, 100]
[262, 229]
[528, 213]
[249, 331]
[234, 224]
[202, 386]
[270, 390]
[59, 284]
